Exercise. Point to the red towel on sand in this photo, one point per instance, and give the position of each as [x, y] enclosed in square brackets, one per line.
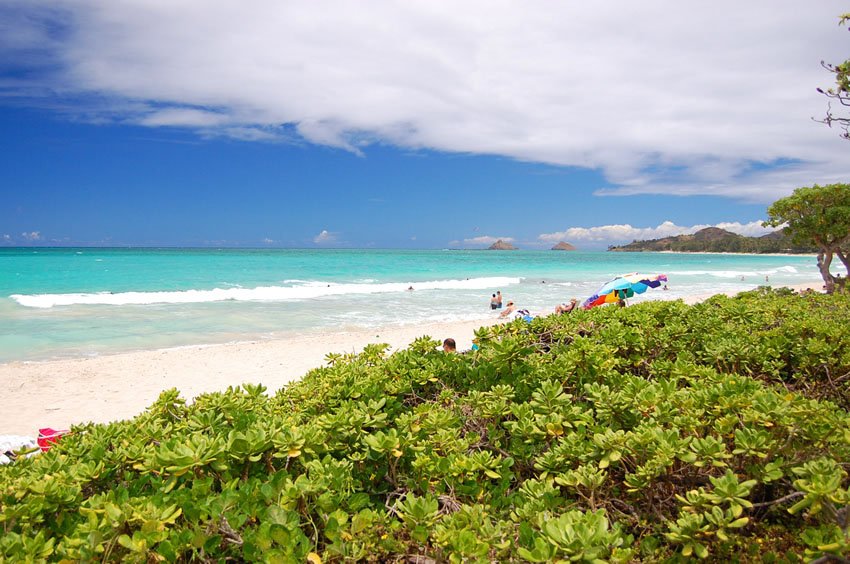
[48, 436]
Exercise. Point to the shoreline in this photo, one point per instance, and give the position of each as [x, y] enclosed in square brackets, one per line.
[100, 389]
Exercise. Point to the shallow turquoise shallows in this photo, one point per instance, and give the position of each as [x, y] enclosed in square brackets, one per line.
[80, 302]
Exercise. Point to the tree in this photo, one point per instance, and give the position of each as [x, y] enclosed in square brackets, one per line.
[819, 215]
[841, 91]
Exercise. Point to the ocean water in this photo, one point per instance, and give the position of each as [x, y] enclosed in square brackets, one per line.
[60, 303]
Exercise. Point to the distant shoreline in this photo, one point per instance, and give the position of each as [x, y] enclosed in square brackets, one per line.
[814, 255]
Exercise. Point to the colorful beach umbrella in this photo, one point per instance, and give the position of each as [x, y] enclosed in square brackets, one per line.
[623, 287]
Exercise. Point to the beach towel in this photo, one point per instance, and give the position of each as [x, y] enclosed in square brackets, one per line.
[48, 436]
[10, 444]
[523, 314]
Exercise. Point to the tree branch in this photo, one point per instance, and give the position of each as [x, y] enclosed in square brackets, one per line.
[788, 497]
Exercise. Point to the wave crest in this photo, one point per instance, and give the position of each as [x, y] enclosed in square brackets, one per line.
[302, 291]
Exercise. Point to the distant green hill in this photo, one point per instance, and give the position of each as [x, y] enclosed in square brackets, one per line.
[716, 240]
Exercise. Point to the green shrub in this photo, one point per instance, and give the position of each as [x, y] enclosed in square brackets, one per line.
[651, 432]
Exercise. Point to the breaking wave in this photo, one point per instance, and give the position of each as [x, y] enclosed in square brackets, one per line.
[300, 291]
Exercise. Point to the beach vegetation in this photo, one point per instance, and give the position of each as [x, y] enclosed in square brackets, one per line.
[656, 432]
[818, 215]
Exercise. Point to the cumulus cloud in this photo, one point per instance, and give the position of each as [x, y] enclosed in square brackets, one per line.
[664, 97]
[611, 234]
[31, 236]
[486, 240]
[325, 237]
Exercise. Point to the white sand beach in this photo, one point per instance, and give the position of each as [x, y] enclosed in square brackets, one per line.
[61, 393]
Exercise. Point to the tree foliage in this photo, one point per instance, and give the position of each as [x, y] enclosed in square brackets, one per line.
[840, 92]
[819, 215]
[650, 433]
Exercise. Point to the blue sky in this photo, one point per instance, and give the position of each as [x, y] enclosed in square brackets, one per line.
[412, 124]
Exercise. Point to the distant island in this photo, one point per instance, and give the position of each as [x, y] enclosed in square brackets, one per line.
[716, 240]
[563, 246]
[502, 246]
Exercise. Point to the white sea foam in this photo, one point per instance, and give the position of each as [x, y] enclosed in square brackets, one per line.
[303, 291]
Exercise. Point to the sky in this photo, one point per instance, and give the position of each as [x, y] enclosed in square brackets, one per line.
[411, 123]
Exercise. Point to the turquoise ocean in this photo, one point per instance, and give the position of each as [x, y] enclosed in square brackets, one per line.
[65, 302]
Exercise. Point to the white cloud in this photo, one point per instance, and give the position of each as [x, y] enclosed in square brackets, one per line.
[188, 117]
[325, 237]
[611, 234]
[486, 240]
[31, 236]
[713, 91]
[751, 229]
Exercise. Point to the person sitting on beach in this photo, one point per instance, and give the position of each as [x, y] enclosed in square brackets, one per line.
[449, 345]
[494, 304]
[508, 310]
[567, 307]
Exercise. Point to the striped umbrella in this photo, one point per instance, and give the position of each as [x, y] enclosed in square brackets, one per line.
[623, 287]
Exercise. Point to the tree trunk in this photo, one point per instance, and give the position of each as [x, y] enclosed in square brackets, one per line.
[842, 282]
[824, 260]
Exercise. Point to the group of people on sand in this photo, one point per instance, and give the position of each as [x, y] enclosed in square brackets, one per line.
[565, 307]
[510, 307]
